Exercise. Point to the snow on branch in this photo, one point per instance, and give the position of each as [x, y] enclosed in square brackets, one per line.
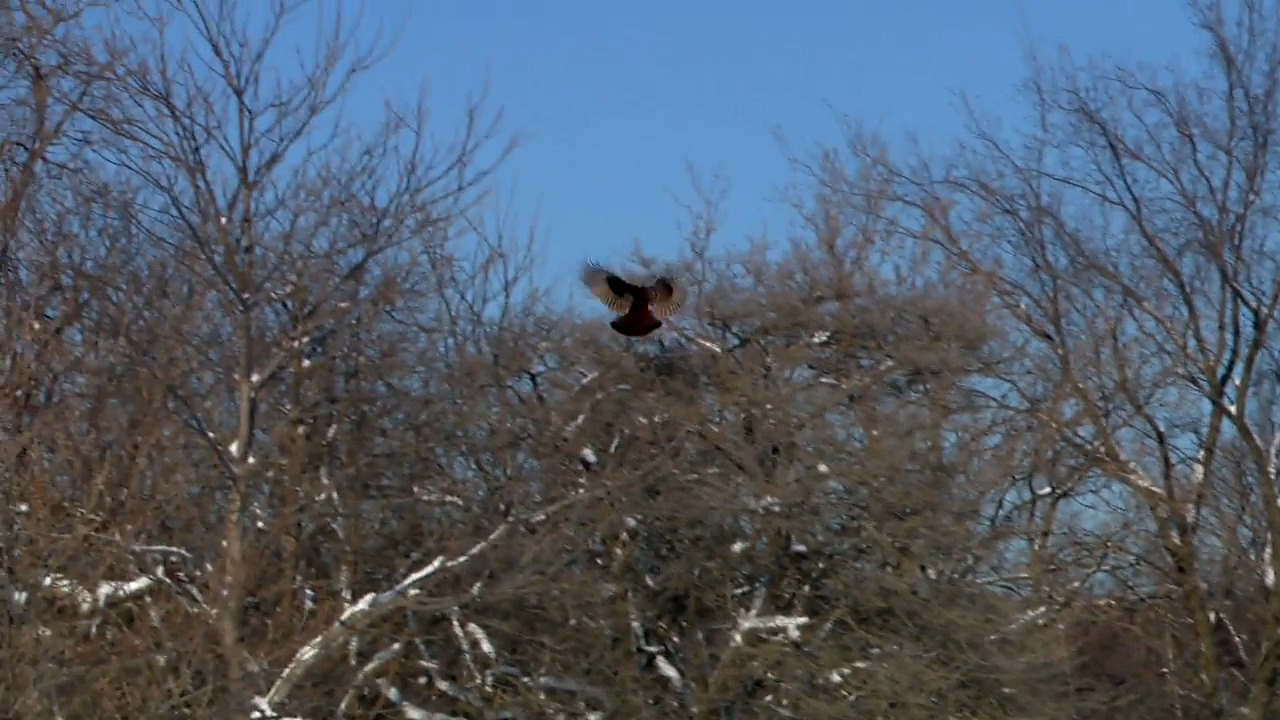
[429, 496]
[752, 620]
[707, 344]
[89, 600]
[469, 636]
[1033, 615]
[163, 550]
[379, 660]
[572, 426]
[1268, 566]
[262, 711]
[105, 593]
[656, 652]
[375, 605]
[407, 709]
[790, 623]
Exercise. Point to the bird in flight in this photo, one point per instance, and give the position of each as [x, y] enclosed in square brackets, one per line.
[643, 308]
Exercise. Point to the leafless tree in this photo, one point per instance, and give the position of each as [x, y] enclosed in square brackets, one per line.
[290, 428]
[784, 500]
[1125, 238]
[248, 344]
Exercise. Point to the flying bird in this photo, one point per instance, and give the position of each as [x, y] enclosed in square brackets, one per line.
[643, 308]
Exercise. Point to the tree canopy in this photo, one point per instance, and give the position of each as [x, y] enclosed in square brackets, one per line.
[291, 428]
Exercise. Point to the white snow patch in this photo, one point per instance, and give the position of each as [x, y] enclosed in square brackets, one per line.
[669, 671]
[482, 639]
[708, 345]
[749, 621]
[766, 503]
[1268, 569]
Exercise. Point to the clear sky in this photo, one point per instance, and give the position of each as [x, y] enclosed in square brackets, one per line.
[617, 97]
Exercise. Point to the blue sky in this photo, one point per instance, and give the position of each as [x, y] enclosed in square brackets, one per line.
[616, 98]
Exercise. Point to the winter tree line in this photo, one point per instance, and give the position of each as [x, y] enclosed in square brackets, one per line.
[294, 425]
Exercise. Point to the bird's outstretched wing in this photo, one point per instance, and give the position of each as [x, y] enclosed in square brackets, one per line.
[665, 297]
[617, 294]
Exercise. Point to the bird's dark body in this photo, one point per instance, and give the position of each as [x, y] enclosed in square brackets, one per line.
[641, 308]
[636, 324]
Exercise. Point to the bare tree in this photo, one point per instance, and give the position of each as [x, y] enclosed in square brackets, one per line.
[1126, 240]
[291, 430]
[782, 516]
[236, 314]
